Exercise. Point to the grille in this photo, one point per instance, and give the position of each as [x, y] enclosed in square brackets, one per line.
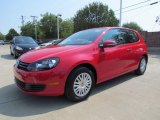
[29, 87]
[23, 65]
[27, 49]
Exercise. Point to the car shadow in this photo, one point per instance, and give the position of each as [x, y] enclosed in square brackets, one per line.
[17, 104]
[8, 57]
[113, 82]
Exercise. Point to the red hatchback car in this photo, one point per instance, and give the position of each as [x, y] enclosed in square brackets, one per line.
[80, 61]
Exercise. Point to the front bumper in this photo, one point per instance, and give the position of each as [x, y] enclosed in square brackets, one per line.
[18, 52]
[43, 83]
[29, 87]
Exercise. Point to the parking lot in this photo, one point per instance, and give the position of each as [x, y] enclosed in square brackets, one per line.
[128, 97]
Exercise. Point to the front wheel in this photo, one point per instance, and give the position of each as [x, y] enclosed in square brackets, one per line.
[142, 66]
[11, 52]
[15, 56]
[79, 84]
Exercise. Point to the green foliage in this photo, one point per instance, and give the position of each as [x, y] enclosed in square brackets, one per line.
[29, 30]
[2, 37]
[48, 25]
[41, 33]
[133, 25]
[12, 32]
[94, 15]
[66, 28]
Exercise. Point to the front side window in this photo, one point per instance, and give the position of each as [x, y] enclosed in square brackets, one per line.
[121, 36]
[116, 35]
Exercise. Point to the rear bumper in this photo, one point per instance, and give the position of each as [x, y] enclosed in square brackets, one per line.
[43, 83]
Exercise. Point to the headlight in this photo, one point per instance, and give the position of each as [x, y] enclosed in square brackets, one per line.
[18, 48]
[44, 64]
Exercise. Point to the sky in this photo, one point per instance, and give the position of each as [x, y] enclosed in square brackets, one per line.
[12, 10]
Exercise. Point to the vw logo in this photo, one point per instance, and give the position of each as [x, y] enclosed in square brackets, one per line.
[17, 63]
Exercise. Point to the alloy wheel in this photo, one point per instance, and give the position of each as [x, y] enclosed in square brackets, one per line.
[143, 65]
[82, 84]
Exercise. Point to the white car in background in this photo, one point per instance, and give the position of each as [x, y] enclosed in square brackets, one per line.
[52, 42]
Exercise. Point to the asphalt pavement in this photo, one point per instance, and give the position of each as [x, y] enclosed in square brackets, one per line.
[128, 97]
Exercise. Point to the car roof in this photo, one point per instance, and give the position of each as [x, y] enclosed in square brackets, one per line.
[107, 28]
[20, 36]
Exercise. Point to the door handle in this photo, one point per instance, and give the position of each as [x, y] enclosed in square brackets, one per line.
[129, 50]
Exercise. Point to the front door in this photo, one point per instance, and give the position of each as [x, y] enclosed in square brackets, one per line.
[113, 60]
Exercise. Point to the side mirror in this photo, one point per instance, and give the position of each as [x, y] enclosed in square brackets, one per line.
[108, 43]
[11, 42]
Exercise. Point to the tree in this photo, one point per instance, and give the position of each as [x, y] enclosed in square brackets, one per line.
[66, 28]
[94, 15]
[2, 37]
[48, 25]
[133, 25]
[29, 30]
[12, 32]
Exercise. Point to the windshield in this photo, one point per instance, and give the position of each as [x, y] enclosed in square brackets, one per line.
[24, 40]
[83, 37]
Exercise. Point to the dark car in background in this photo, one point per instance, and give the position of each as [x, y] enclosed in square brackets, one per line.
[22, 44]
[2, 42]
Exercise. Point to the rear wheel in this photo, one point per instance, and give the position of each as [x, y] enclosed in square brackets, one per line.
[142, 66]
[79, 84]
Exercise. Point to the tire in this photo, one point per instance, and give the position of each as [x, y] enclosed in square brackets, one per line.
[142, 66]
[15, 56]
[11, 52]
[79, 84]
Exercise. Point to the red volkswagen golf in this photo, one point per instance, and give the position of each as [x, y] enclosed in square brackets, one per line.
[80, 61]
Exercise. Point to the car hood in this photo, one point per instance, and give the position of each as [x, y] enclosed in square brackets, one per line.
[27, 45]
[47, 52]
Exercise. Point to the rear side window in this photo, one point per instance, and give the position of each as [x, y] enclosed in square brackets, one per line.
[131, 37]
